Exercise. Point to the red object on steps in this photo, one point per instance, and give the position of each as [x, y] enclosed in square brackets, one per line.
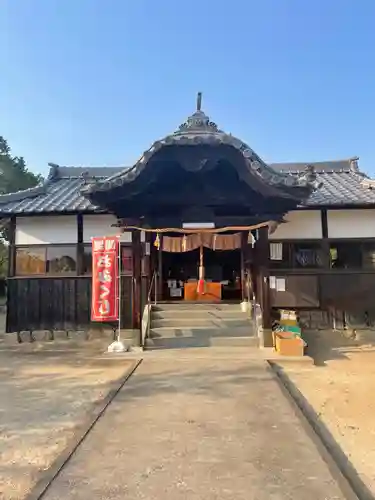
[200, 287]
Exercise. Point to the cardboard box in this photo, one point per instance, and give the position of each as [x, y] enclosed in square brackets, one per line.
[287, 345]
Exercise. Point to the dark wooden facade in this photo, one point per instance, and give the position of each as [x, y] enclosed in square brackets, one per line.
[63, 302]
[323, 295]
[56, 303]
[328, 296]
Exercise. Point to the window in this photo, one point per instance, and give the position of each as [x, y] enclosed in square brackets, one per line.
[126, 260]
[307, 255]
[87, 259]
[368, 255]
[61, 259]
[280, 255]
[46, 259]
[345, 255]
[126, 264]
[30, 261]
[276, 251]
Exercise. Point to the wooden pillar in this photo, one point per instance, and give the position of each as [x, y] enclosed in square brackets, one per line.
[160, 269]
[147, 257]
[148, 266]
[137, 279]
[80, 246]
[325, 241]
[12, 247]
[263, 274]
[11, 267]
[326, 263]
[243, 270]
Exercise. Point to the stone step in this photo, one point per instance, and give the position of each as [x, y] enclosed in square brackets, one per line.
[184, 324]
[196, 306]
[200, 341]
[208, 331]
[205, 321]
[200, 313]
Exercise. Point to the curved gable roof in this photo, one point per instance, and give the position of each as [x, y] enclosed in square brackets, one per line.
[343, 184]
[199, 130]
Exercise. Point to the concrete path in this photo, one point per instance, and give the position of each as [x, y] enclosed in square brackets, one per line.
[212, 429]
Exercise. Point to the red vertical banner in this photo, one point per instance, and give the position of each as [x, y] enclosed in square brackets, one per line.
[104, 298]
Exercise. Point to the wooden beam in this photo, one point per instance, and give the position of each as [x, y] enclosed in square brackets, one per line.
[176, 220]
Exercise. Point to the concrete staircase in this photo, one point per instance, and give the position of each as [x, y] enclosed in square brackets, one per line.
[183, 325]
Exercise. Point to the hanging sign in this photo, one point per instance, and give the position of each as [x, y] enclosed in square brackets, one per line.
[104, 298]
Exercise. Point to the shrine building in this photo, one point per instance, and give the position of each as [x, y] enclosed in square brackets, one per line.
[288, 235]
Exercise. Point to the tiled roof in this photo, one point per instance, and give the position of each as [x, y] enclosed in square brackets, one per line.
[61, 193]
[342, 183]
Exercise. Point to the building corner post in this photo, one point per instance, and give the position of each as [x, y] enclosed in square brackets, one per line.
[12, 247]
[11, 271]
[263, 289]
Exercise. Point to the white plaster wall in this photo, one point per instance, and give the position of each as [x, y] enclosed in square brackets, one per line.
[303, 224]
[46, 229]
[351, 223]
[101, 225]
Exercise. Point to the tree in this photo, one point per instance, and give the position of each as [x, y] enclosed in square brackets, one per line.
[14, 176]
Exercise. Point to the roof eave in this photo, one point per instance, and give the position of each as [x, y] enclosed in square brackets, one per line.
[23, 195]
[35, 213]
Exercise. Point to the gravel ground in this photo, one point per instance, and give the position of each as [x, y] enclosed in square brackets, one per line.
[340, 388]
[43, 398]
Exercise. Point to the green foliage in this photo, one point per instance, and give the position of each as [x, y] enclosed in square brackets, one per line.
[14, 176]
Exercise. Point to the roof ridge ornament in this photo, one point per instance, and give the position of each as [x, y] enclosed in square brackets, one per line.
[85, 176]
[53, 173]
[198, 122]
[354, 164]
[309, 177]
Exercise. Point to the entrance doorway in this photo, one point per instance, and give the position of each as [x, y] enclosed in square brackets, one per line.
[221, 266]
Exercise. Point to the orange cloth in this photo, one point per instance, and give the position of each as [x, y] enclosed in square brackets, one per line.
[212, 292]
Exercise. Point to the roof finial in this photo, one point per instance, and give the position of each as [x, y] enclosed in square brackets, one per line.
[53, 172]
[199, 101]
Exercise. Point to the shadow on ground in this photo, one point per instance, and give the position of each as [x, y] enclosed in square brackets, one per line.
[325, 345]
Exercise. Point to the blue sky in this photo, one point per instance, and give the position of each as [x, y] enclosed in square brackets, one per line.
[95, 82]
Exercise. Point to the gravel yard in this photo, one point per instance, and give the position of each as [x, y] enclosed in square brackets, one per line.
[44, 396]
[340, 388]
